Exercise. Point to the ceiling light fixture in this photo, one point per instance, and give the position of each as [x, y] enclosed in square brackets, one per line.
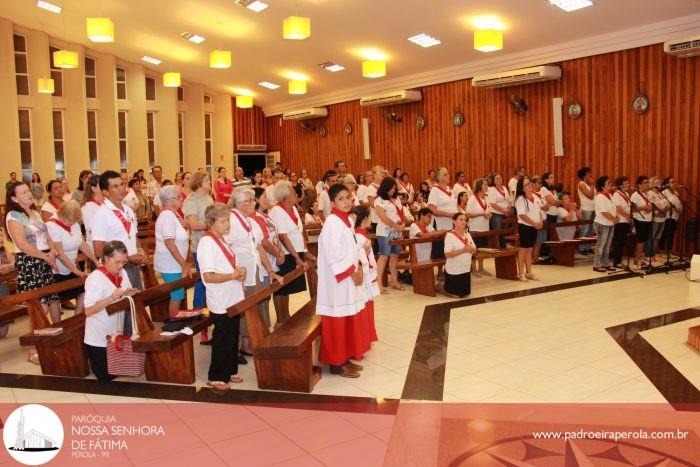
[297, 87]
[332, 67]
[151, 60]
[373, 68]
[196, 38]
[100, 29]
[220, 59]
[571, 5]
[45, 85]
[66, 59]
[49, 7]
[424, 40]
[244, 102]
[296, 28]
[171, 79]
[268, 85]
[488, 40]
[255, 5]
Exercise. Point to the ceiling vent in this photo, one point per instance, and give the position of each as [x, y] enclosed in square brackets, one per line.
[689, 47]
[391, 98]
[315, 112]
[517, 77]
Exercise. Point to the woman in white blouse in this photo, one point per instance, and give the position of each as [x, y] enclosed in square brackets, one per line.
[621, 200]
[479, 215]
[67, 239]
[674, 214]
[500, 206]
[390, 227]
[641, 213]
[172, 245]
[567, 212]
[92, 200]
[529, 223]
[604, 225]
[659, 215]
[459, 248]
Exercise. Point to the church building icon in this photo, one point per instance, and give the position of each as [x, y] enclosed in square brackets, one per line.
[33, 440]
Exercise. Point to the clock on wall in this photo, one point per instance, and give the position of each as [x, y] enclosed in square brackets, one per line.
[420, 122]
[322, 131]
[348, 128]
[574, 109]
[458, 119]
[640, 104]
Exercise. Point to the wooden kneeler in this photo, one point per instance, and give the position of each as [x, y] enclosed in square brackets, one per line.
[283, 358]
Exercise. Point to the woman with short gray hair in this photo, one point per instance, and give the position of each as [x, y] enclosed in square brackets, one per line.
[172, 245]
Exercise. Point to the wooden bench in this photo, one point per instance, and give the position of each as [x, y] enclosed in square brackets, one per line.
[9, 313]
[564, 251]
[284, 357]
[694, 338]
[169, 358]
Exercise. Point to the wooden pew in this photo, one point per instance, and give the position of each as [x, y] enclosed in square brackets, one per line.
[506, 260]
[564, 251]
[169, 359]
[9, 313]
[283, 358]
[422, 272]
[694, 338]
[61, 354]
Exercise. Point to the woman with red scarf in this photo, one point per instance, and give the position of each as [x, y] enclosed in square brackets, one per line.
[604, 224]
[390, 227]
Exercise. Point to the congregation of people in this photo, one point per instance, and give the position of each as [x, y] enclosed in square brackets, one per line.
[242, 234]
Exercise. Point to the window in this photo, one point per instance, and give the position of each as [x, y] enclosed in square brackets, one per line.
[56, 73]
[208, 142]
[151, 137]
[25, 143]
[90, 78]
[180, 93]
[123, 160]
[181, 139]
[92, 139]
[58, 148]
[21, 68]
[150, 89]
[121, 83]
[207, 99]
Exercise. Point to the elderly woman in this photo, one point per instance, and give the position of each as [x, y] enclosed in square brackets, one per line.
[271, 242]
[246, 236]
[290, 227]
[67, 239]
[172, 244]
[478, 214]
[223, 277]
[500, 205]
[105, 285]
[443, 206]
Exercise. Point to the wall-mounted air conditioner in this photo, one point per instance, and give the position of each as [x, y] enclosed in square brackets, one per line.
[517, 77]
[315, 112]
[391, 98]
[688, 47]
[251, 147]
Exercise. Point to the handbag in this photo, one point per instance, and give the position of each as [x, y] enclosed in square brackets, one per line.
[122, 360]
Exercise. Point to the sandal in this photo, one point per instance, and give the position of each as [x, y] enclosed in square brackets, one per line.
[236, 379]
[522, 278]
[398, 287]
[34, 358]
[531, 277]
[218, 385]
[384, 292]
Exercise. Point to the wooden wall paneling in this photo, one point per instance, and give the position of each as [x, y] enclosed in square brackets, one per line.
[248, 125]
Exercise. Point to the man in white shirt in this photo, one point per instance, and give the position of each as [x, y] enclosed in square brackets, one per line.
[330, 178]
[155, 184]
[461, 185]
[239, 179]
[378, 174]
[340, 167]
[518, 173]
[117, 221]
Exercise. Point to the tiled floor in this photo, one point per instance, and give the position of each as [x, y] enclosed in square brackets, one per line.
[670, 341]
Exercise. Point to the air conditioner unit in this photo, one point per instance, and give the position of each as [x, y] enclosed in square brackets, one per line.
[251, 147]
[390, 98]
[517, 77]
[315, 112]
[689, 47]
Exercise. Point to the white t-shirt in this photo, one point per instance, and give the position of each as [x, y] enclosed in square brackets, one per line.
[285, 225]
[319, 186]
[324, 203]
[310, 219]
[480, 223]
[362, 193]
[622, 201]
[499, 198]
[457, 189]
[553, 209]
[587, 204]
[269, 232]
[89, 210]
[168, 227]
[70, 241]
[35, 231]
[523, 206]
[565, 233]
[639, 201]
[459, 264]
[660, 204]
[675, 202]
[106, 226]
[512, 186]
[222, 295]
[391, 210]
[372, 193]
[604, 204]
[422, 249]
[539, 199]
[131, 199]
[49, 207]
[242, 239]
[443, 201]
[101, 324]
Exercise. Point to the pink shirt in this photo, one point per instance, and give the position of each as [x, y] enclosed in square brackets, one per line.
[221, 189]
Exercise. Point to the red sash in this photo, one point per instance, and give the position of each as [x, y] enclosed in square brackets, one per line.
[344, 216]
[122, 219]
[464, 241]
[291, 214]
[53, 203]
[532, 200]
[58, 222]
[422, 228]
[481, 203]
[539, 196]
[98, 203]
[399, 210]
[404, 187]
[447, 191]
[224, 249]
[246, 225]
[116, 280]
[263, 225]
[607, 195]
[646, 200]
[501, 191]
[624, 195]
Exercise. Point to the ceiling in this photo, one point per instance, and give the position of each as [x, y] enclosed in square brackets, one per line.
[340, 30]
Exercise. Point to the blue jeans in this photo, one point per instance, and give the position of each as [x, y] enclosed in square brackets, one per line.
[586, 230]
[604, 235]
[200, 292]
[495, 223]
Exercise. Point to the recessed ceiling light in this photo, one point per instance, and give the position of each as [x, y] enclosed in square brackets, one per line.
[255, 5]
[49, 6]
[196, 38]
[332, 67]
[424, 40]
[152, 60]
[268, 85]
[571, 5]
